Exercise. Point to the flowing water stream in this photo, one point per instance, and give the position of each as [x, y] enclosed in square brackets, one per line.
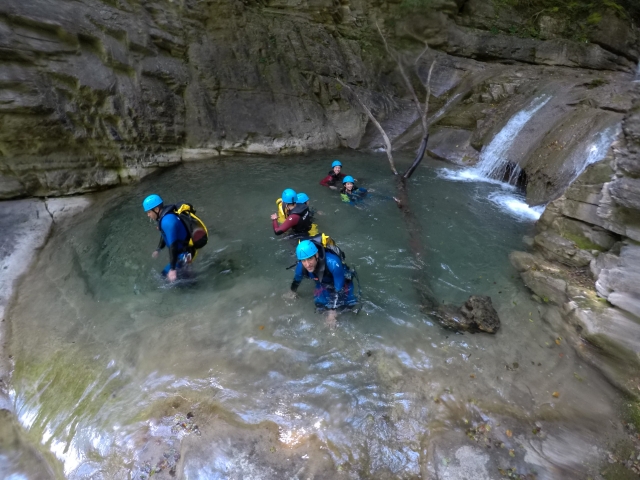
[117, 374]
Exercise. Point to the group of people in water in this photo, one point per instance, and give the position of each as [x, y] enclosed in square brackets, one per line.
[318, 256]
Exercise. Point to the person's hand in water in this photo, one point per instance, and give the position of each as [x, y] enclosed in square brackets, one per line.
[331, 319]
[172, 276]
[274, 216]
[333, 187]
[290, 295]
[370, 190]
[155, 254]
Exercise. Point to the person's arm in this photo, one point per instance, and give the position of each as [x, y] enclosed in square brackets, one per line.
[286, 225]
[174, 253]
[170, 226]
[326, 181]
[161, 245]
[297, 277]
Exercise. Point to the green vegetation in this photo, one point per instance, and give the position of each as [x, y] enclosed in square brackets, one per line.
[581, 242]
[597, 82]
[631, 414]
[415, 5]
[574, 19]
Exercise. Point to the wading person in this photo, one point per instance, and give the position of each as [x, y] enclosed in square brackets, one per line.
[334, 287]
[350, 192]
[303, 199]
[334, 176]
[180, 231]
[284, 204]
[299, 218]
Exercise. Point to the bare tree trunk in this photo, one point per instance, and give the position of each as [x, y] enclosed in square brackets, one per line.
[387, 142]
[425, 135]
[477, 313]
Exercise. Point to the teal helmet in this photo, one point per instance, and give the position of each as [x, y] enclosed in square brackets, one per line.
[336, 163]
[302, 198]
[348, 179]
[151, 202]
[289, 196]
[306, 249]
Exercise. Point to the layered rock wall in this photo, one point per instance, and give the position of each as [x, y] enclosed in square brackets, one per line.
[586, 256]
[98, 93]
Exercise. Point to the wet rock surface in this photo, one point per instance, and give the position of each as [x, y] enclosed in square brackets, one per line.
[586, 259]
[476, 315]
[110, 92]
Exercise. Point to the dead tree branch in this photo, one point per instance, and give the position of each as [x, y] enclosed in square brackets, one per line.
[425, 136]
[404, 76]
[376, 123]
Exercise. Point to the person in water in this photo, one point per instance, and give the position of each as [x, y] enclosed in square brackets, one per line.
[285, 204]
[302, 199]
[173, 235]
[350, 192]
[334, 176]
[334, 288]
[299, 218]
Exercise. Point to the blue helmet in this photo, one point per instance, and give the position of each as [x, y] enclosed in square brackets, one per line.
[289, 196]
[306, 249]
[348, 179]
[151, 202]
[336, 163]
[302, 198]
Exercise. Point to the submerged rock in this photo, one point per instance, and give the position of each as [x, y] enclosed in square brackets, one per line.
[476, 315]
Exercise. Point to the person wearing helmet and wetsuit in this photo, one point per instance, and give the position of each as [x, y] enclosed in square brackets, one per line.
[299, 219]
[351, 193]
[334, 176]
[303, 199]
[334, 288]
[174, 235]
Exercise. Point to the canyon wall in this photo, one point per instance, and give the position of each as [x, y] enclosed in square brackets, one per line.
[99, 93]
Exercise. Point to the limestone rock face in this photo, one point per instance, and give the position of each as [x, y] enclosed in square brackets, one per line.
[98, 93]
[556, 247]
[596, 222]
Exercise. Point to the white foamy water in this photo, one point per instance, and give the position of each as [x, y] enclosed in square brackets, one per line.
[493, 158]
[470, 175]
[596, 150]
[493, 164]
[516, 206]
[507, 198]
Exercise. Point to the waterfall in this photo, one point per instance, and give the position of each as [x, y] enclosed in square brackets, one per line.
[494, 162]
[494, 166]
[596, 150]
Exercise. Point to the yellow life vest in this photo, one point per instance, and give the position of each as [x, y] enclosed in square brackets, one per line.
[328, 244]
[198, 233]
[282, 216]
[281, 213]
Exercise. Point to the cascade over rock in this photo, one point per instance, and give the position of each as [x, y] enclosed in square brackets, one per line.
[100, 93]
[586, 257]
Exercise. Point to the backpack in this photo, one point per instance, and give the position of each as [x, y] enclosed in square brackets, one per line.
[198, 233]
[329, 245]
